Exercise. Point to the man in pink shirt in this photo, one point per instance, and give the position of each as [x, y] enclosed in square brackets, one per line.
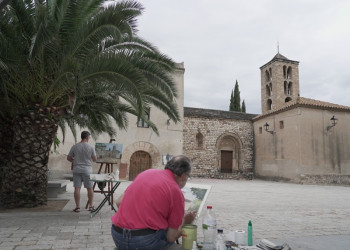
[152, 209]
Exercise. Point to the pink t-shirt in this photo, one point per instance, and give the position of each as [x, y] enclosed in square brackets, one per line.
[154, 200]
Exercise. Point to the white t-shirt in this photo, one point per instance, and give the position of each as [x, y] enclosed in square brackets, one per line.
[82, 154]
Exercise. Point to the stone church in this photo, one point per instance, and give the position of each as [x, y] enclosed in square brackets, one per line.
[297, 138]
[294, 139]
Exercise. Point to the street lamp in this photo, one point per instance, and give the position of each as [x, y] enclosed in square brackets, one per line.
[333, 121]
[266, 125]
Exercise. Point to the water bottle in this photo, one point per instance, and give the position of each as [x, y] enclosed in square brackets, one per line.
[220, 240]
[209, 226]
[250, 233]
[194, 245]
[117, 175]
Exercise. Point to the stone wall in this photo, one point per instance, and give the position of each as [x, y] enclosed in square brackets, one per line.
[302, 144]
[326, 179]
[215, 125]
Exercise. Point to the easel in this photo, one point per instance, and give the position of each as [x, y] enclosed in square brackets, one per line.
[109, 185]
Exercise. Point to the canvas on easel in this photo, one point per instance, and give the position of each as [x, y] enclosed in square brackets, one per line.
[109, 152]
[195, 197]
[108, 155]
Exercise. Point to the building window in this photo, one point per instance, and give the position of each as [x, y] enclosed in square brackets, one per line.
[288, 99]
[267, 76]
[285, 87]
[142, 123]
[199, 140]
[269, 104]
[268, 91]
[281, 125]
[289, 73]
[290, 88]
[260, 130]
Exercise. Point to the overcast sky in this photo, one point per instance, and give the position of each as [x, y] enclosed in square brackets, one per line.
[223, 41]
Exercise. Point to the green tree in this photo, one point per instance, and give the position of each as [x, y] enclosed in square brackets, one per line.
[243, 106]
[67, 64]
[3, 3]
[236, 98]
[231, 102]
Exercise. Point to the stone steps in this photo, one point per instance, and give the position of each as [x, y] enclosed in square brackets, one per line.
[56, 187]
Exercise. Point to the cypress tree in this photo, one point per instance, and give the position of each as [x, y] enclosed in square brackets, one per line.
[231, 102]
[236, 98]
[243, 106]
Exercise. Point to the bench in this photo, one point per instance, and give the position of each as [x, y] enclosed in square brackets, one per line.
[56, 187]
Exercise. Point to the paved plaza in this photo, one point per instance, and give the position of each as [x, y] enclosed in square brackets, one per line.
[304, 216]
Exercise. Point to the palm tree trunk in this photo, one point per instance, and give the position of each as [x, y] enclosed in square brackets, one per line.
[24, 176]
[6, 135]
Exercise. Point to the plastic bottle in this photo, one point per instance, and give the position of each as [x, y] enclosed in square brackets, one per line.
[194, 245]
[250, 233]
[209, 226]
[220, 241]
[117, 175]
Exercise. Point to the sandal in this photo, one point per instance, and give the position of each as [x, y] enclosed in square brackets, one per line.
[91, 209]
[77, 209]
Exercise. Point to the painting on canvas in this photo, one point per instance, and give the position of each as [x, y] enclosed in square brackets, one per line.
[109, 152]
[195, 197]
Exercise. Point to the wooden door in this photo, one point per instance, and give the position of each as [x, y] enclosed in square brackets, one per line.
[123, 168]
[139, 162]
[226, 161]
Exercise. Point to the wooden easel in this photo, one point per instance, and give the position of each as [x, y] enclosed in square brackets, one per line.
[108, 169]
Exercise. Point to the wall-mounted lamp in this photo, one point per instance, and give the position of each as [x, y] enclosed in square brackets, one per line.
[333, 121]
[168, 122]
[266, 125]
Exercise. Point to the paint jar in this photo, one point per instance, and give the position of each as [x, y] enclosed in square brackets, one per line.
[189, 234]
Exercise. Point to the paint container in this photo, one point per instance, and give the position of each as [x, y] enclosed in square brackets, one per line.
[189, 234]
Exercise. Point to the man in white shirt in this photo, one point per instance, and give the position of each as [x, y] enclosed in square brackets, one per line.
[81, 155]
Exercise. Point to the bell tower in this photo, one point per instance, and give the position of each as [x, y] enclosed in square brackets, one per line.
[279, 83]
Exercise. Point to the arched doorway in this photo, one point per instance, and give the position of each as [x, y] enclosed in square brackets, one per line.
[226, 161]
[139, 162]
[229, 152]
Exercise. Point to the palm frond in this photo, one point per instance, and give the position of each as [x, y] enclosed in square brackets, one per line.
[85, 59]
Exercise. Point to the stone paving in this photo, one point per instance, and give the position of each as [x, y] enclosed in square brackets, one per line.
[304, 216]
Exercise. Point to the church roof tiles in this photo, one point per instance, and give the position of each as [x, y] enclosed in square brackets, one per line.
[210, 113]
[307, 103]
[281, 58]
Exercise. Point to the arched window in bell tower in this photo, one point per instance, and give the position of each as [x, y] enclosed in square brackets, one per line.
[290, 88]
[267, 76]
[289, 72]
[287, 99]
[284, 72]
[285, 87]
[268, 90]
[269, 104]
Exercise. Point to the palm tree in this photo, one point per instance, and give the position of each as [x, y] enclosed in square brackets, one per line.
[3, 3]
[70, 63]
